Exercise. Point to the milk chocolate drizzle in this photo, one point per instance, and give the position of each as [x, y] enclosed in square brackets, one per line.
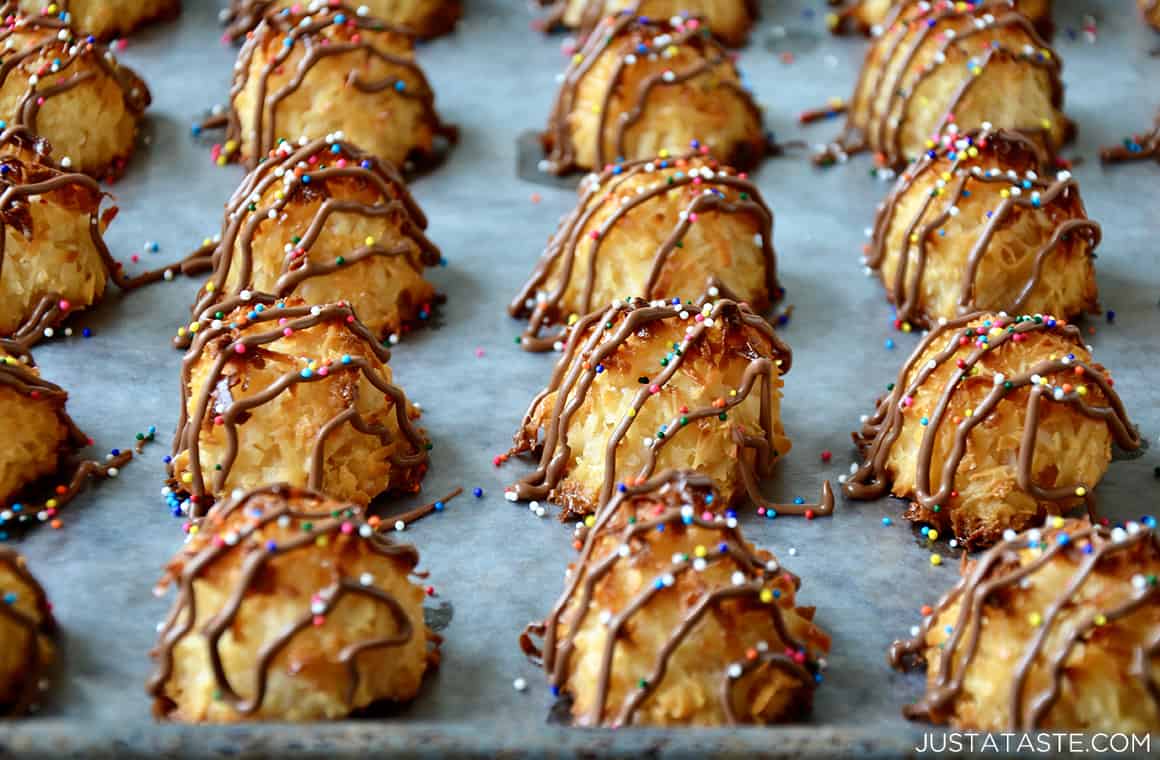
[880, 432]
[300, 175]
[1034, 195]
[307, 32]
[1140, 148]
[848, 20]
[1000, 572]
[626, 521]
[704, 184]
[629, 38]
[31, 670]
[258, 509]
[594, 11]
[596, 338]
[221, 342]
[65, 56]
[900, 70]
[243, 15]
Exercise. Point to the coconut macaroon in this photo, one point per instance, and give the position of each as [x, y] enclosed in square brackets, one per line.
[972, 225]
[72, 91]
[104, 19]
[640, 87]
[669, 617]
[1055, 629]
[729, 20]
[331, 70]
[278, 391]
[27, 630]
[653, 227]
[290, 607]
[643, 387]
[324, 222]
[1150, 10]
[870, 16]
[1141, 147]
[53, 258]
[423, 18]
[993, 423]
[38, 433]
[943, 66]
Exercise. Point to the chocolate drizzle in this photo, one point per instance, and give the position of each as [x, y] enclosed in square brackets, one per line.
[593, 11]
[286, 510]
[631, 38]
[878, 435]
[672, 501]
[65, 56]
[31, 670]
[1145, 147]
[331, 31]
[701, 181]
[243, 16]
[957, 169]
[597, 337]
[220, 339]
[1068, 620]
[899, 70]
[848, 17]
[300, 175]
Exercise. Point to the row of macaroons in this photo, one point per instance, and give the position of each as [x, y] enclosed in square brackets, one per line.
[263, 322]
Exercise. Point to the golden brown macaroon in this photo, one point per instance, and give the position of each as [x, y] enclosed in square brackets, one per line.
[640, 88]
[1051, 630]
[868, 16]
[1141, 147]
[278, 391]
[644, 387]
[949, 67]
[27, 630]
[104, 19]
[729, 20]
[71, 90]
[289, 607]
[324, 222]
[1150, 10]
[423, 18]
[669, 617]
[971, 225]
[660, 227]
[327, 72]
[993, 423]
[53, 258]
[37, 431]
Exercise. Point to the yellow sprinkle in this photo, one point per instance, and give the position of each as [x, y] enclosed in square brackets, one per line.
[221, 161]
[181, 332]
[766, 595]
[946, 176]
[930, 143]
[832, 20]
[1081, 491]
[187, 477]
[322, 540]
[732, 392]
[1082, 390]
[206, 241]
[631, 412]
[1004, 193]
[590, 520]
[573, 319]
[700, 551]
[230, 146]
[972, 151]
[51, 503]
[1057, 522]
[194, 326]
[194, 528]
[279, 195]
[577, 58]
[906, 327]
[664, 153]
[932, 535]
[1046, 123]
[914, 237]
[370, 240]
[1035, 619]
[936, 559]
[1100, 619]
[210, 287]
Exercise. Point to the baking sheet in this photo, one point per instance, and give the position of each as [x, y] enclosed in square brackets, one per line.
[494, 562]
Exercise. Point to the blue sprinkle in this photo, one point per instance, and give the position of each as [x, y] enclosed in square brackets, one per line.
[890, 344]
[477, 493]
[887, 521]
[439, 506]
[799, 500]
[400, 86]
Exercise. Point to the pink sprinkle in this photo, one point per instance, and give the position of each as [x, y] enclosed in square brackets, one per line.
[324, 371]
[692, 217]
[319, 620]
[347, 528]
[288, 332]
[595, 234]
[340, 163]
[479, 353]
[239, 348]
[706, 515]
[761, 511]
[654, 388]
[64, 305]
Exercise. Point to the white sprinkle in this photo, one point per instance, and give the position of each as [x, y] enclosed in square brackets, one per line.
[400, 525]
[519, 684]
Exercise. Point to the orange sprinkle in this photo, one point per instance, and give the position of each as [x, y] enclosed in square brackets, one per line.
[925, 610]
